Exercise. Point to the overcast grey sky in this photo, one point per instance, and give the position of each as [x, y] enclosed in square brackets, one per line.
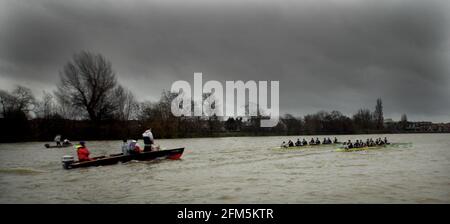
[327, 55]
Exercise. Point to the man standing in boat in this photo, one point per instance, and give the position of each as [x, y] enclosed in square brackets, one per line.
[58, 140]
[149, 141]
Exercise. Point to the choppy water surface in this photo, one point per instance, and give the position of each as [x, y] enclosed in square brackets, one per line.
[235, 170]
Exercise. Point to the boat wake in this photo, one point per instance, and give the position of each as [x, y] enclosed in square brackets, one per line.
[20, 171]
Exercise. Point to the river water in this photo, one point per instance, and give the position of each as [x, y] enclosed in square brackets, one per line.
[235, 170]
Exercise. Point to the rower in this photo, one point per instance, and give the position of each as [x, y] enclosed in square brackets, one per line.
[298, 143]
[83, 152]
[378, 142]
[317, 141]
[283, 145]
[335, 140]
[312, 142]
[385, 141]
[349, 144]
[363, 144]
[325, 141]
[304, 142]
[290, 143]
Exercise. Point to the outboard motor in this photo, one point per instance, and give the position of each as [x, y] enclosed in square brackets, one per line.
[67, 161]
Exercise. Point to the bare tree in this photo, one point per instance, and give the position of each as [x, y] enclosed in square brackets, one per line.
[88, 83]
[67, 111]
[127, 106]
[159, 117]
[46, 108]
[5, 102]
[404, 118]
[363, 120]
[21, 100]
[378, 115]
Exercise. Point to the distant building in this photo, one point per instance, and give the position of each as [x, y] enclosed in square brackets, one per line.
[390, 124]
[416, 126]
[388, 121]
[426, 126]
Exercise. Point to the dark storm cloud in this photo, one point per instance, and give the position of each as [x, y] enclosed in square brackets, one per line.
[327, 55]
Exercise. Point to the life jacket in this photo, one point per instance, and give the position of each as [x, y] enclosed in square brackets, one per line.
[83, 154]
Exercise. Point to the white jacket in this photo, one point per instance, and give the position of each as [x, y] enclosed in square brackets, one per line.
[149, 134]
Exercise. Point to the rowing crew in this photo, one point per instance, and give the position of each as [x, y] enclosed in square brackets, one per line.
[368, 143]
[312, 142]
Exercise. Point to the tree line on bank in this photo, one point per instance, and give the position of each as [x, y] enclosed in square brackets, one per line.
[89, 103]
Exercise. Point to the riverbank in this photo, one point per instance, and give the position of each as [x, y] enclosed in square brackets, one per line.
[230, 134]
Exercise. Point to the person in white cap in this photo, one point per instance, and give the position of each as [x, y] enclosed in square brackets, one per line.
[134, 148]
